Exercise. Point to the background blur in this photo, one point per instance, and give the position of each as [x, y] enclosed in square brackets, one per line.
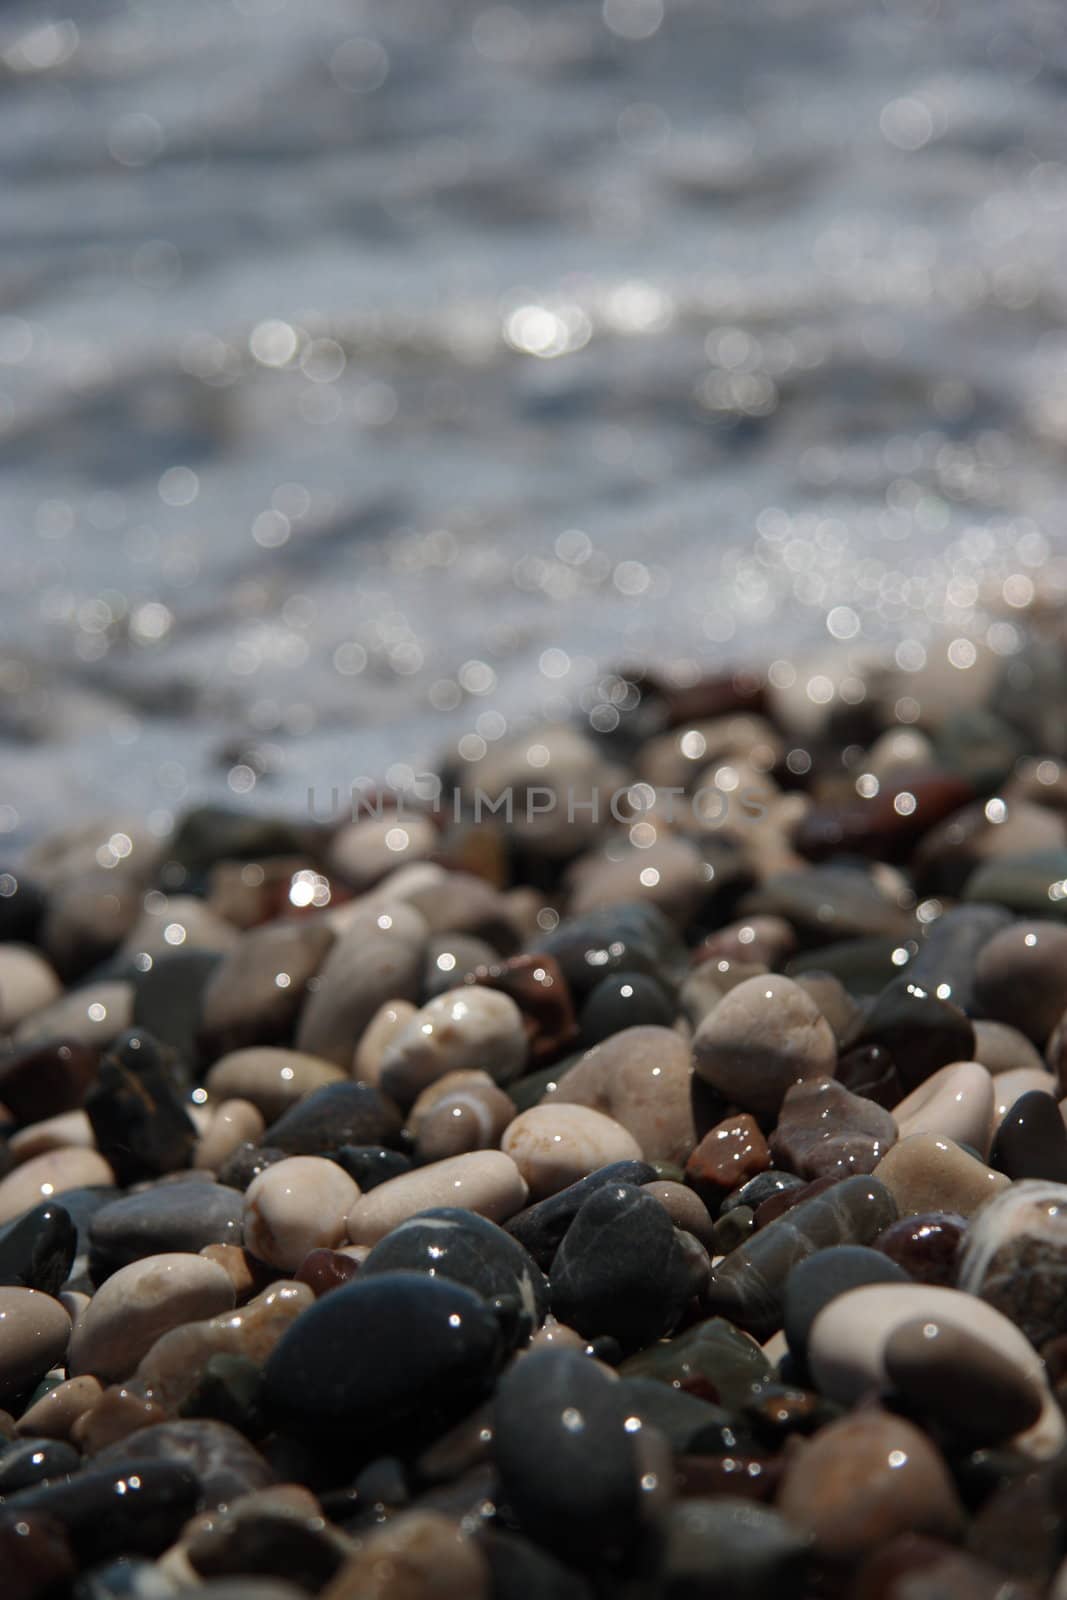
[375, 374]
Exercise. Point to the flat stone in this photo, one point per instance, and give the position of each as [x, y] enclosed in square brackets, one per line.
[1015, 1257]
[462, 1111]
[541, 1227]
[50, 1176]
[1021, 978]
[814, 1282]
[1031, 1142]
[763, 1037]
[567, 1465]
[296, 1206]
[921, 1031]
[170, 1217]
[473, 1027]
[962, 1380]
[486, 1181]
[925, 1245]
[334, 1115]
[272, 1079]
[956, 1102]
[865, 1478]
[54, 1414]
[824, 1131]
[393, 1355]
[555, 1145]
[747, 1286]
[378, 958]
[925, 1173]
[244, 1004]
[34, 1334]
[139, 1303]
[624, 1270]
[139, 1115]
[728, 1156]
[640, 1077]
[38, 1249]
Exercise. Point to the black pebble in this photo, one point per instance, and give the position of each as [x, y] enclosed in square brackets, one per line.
[814, 1282]
[28, 1461]
[337, 1114]
[920, 1031]
[540, 1228]
[732, 1547]
[246, 1163]
[135, 1506]
[220, 1459]
[37, 1250]
[1031, 1142]
[137, 1111]
[370, 1164]
[182, 1216]
[624, 1269]
[760, 1188]
[624, 1000]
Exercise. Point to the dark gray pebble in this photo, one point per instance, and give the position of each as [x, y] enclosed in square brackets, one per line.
[732, 1547]
[126, 1505]
[814, 1282]
[171, 1216]
[541, 1228]
[337, 1114]
[137, 1111]
[27, 1461]
[624, 1000]
[370, 1164]
[37, 1250]
[222, 1461]
[167, 998]
[1031, 1142]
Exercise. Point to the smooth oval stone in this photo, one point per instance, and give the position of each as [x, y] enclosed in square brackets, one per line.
[70, 1130]
[47, 1079]
[956, 1102]
[1001, 1048]
[37, 1251]
[863, 1479]
[467, 1249]
[925, 1245]
[448, 954]
[322, 1270]
[28, 1461]
[395, 1355]
[1015, 1257]
[824, 1131]
[389, 1020]
[91, 1016]
[272, 1079]
[685, 1209]
[847, 1345]
[713, 1360]
[225, 1465]
[378, 957]
[731, 1547]
[870, 1071]
[486, 1181]
[34, 1334]
[296, 1206]
[54, 1414]
[960, 1379]
[921, 1031]
[243, 1004]
[831, 901]
[670, 873]
[813, 1283]
[27, 982]
[366, 849]
[568, 1467]
[473, 1027]
[233, 1123]
[624, 1000]
[1031, 1142]
[173, 1216]
[542, 994]
[760, 1039]
[462, 1111]
[541, 1227]
[1021, 978]
[747, 1286]
[640, 1078]
[623, 1269]
[139, 1303]
[944, 965]
[555, 1145]
[49, 1176]
[925, 1173]
[136, 1507]
[332, 1116]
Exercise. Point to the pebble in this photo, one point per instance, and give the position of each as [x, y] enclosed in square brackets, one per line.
[848, 1339]
[473, 1027]
[367, 849]
[541, 1227]
[332, 1116]
[927, 1173]
[296, 1206]
[389, 1020]
[37, 1250]
[864, 1479]
[641, 1078]
[1021, 978]
[378, 957]
[449, 955]
[139, 1303]
[233, 1122]
[27, 1461]
[138, 1112]
[91, 1016]
[747, 1286]
[57, 1410]
[961, 1380]
[1011, 1086]
[685, 1209]
[623, 1269]
[761, 1038]
[182, 1216]
[728, 1546]
[486, 1181]
[271, 1079]
[1031, 1141]
[926, 1245]
[223, 1463]
[27, 982]
[814, 1282]
[255, 993]
[392, 1356]
[1001, 1048]
[712, 1360]
[554, 1145]
[728, 1156]
[830, 902]
[49, 1176]
[34, 1334]
[825, 1131]
[370, 1164]
[172, 1365]
[127, 1508]
[568, 1466]
[421, 1554]
[462, 1111]
[670, 874]
[945, 962]
[624, 1000]
[921, 1031]
[467, 1249]
[169, 996]
[71, 1129]
[1015, 1257]
[636, 937]
[48, 1079]
[956, 1102]
[539, 989]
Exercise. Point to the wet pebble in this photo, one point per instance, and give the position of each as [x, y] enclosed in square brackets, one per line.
[956, 1102]
[173, 1217]
[48, 1079]
[28, 1461]
[231, 1123]
[953, 1375]
[641, 1078]
[49, 1176]
[378, 958]
[921, 1031]
[138, 1111]
[926, 1245]
[761, 1038]
[486, 1181]
[728, 1546]
[1015, 1257]
[130, 1507]
[139, 1303]
[34, 1335]
[297, 1205]
[222, 1462]
[271, 1079]
[472, 1027]
[37, 1250]
[825, 1131]
[540, 1228]
[462, 1111]
[814, 1282]
[333, 1115]
[255, 993]
[729, 1154]
[554, 1145]
[927, 1173]
[1021, 978]
[1031, 1142]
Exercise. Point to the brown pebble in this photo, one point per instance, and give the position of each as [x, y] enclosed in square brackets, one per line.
[35, 1556]
[323, 1270]
[727, 1156]
[121, 1410]
[247, 1275]
[55, 1413]
[825, 1131]
[685, 1209]
[44, 1080]
[541, 992]
[961, 1380]
[418, 1555]
[173, 1365]
[642, 1078]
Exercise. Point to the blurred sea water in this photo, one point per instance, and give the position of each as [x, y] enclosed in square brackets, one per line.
[373, 375]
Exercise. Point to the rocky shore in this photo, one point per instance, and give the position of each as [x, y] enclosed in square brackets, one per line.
[634, 1164]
